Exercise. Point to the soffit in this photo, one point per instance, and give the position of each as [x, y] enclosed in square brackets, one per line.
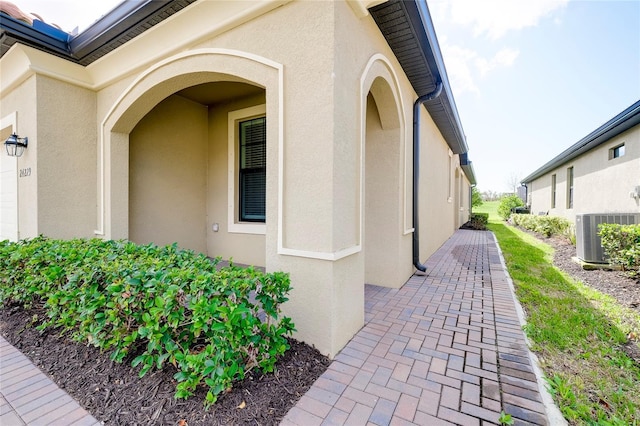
[220, 92]
[409, 31]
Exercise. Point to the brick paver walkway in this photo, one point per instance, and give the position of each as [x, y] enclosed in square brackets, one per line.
[29, 397]
[446, 348]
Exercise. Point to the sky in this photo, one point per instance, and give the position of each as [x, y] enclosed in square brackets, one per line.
[530, 77]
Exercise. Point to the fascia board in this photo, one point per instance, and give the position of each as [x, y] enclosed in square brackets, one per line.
[627, 119]
[192, 25]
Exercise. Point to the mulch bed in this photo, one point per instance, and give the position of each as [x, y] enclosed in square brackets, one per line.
[617, 284]
[115, 395]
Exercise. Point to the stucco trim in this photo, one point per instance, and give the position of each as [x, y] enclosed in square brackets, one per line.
[366, 81]
[104, 168]
[319, 255]
[20, 62]
[11, 120]
[361, 7]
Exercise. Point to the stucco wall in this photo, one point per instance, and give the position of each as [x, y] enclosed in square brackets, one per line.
[437, 180]
[66, 146]
[331, 166]
[601, 185]
[382, 208]
[168, 175]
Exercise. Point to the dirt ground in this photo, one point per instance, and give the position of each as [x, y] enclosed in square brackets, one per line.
[114, 394]
[617, 284]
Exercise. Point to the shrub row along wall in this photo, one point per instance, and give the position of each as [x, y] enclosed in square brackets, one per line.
[159, 304]
[621, 243]
[545, 225]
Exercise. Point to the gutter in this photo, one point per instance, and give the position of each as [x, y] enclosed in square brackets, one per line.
[416, 171]
[622, 122]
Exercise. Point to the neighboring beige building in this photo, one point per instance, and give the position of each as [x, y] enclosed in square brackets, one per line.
[598, 174]
[276, 133]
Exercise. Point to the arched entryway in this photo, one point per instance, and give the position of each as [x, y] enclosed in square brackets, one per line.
[386, 244]
[186, 159]
[179, 171]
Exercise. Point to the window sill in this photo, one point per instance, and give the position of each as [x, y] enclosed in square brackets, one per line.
[248, 228]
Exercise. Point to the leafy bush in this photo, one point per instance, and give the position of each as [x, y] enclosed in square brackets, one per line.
[622, 244]
[165, 304]
[507, 203]
[545, 225]
[477, 221]
[476, 197]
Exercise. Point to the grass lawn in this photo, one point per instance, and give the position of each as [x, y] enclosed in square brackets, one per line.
[490, 207]
[576, 332]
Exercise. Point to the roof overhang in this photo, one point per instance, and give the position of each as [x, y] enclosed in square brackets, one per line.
[467, 168]
[409, 31]
[406, 25]
[39, 35]
[627, 119]
[126, 21]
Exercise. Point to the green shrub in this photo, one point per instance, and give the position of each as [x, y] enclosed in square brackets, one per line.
[476, 197]
[163, 304]
[545, 225]
[622, 244]
[478, 221]
[507, 203]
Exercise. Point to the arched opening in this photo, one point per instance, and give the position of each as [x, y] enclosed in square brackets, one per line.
[182, 164]
[171, 168]
[383, 187]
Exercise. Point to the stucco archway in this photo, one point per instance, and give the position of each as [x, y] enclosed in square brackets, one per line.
[156, 88]
[386, 242]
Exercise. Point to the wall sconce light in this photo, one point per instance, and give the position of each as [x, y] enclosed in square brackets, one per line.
[15, 145]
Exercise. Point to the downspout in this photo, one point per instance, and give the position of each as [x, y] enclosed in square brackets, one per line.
[416, 170]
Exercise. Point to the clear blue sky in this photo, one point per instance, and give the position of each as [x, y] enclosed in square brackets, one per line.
[530, 77]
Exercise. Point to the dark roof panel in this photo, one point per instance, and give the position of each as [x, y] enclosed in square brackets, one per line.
[126, 21]
[623, 121]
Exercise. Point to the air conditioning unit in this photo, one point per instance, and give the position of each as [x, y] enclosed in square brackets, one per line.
[588, 243]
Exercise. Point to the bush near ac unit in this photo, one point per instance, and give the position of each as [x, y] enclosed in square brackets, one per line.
[621, 243]
[545, 225]
[163, 304]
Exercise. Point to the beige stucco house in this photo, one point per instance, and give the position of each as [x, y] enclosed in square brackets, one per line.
[598, 174]
[320, 138]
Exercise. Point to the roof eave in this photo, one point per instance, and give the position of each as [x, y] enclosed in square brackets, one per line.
[14, 31]
[622, 122]
[126, 21]
[392, 18]
[467, 167]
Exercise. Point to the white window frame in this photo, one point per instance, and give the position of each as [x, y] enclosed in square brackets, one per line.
[234, 225]
[620, 149]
